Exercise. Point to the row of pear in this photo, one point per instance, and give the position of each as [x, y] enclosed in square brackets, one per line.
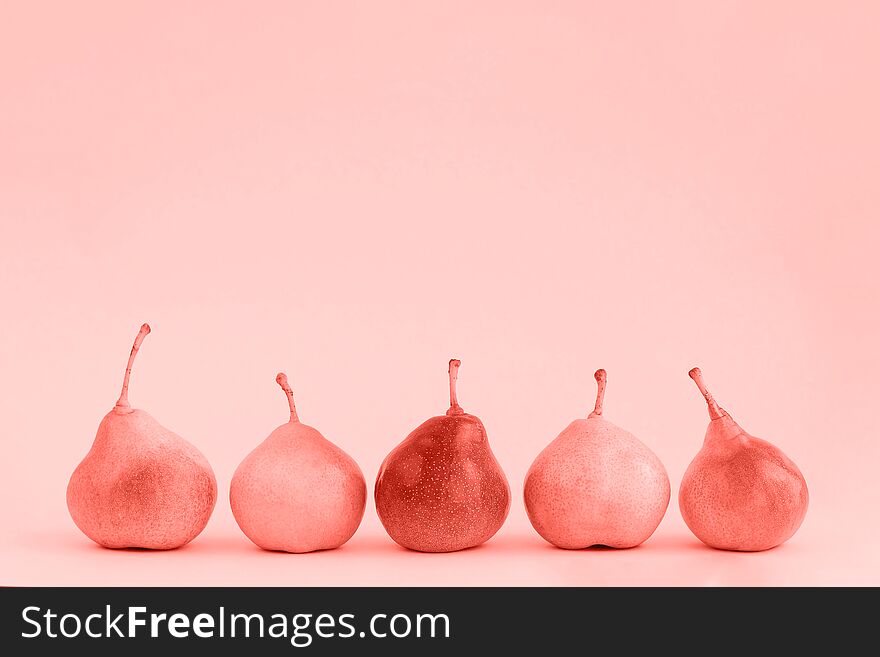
[440, 490]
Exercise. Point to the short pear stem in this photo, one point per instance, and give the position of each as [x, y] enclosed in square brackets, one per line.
[281, 379]
[715, 411]
[454, 408]
[122, 404]
[601, 379]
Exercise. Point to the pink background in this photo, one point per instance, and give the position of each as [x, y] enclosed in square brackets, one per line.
[356, 192]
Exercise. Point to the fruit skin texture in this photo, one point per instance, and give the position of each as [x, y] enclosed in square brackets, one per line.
[741, 492]
[140, 485]
[596, 484]
[441, 489]
[297, 491]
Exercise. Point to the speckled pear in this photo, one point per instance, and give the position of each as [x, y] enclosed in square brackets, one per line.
[297, 491]
[596, 484]
[442, 489]
[140, 485]
[740, 492]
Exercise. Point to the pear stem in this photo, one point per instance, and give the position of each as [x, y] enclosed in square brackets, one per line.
[454, 408]
[281, 380]
[715, 411]
[122, 402]
[601, 379]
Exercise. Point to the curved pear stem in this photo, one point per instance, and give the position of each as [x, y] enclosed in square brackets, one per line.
[122, 403]
[281, 380]
[601, 379]
[715, 411]
[454, 408]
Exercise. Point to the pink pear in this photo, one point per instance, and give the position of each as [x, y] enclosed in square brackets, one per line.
[596, 484]
[140, 485]
[297, 491]
[740, 492]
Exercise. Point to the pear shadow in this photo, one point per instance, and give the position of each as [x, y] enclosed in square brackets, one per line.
[387, 545]
[772, 550]
[536, 543]
[241, 545]
[517, 543]
[95, 548]
[679, 543]
[468, 550]
[599, 548]
[145, 550]
[310, 553]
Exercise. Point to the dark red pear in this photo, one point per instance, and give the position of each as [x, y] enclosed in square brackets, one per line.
[442, 489]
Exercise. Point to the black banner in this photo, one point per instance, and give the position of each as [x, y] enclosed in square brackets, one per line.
[432, 620]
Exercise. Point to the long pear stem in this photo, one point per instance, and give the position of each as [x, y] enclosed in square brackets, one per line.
[281, 379]
[122, 402]
[601, 379]
[454, 408]
[715, 411]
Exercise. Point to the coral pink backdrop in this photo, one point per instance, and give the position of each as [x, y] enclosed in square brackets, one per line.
[356, 192]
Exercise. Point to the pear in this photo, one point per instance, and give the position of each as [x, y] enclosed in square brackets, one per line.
[441, 489]
[140, 485]
[596, 484]
[740, 492]
[297, 491]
